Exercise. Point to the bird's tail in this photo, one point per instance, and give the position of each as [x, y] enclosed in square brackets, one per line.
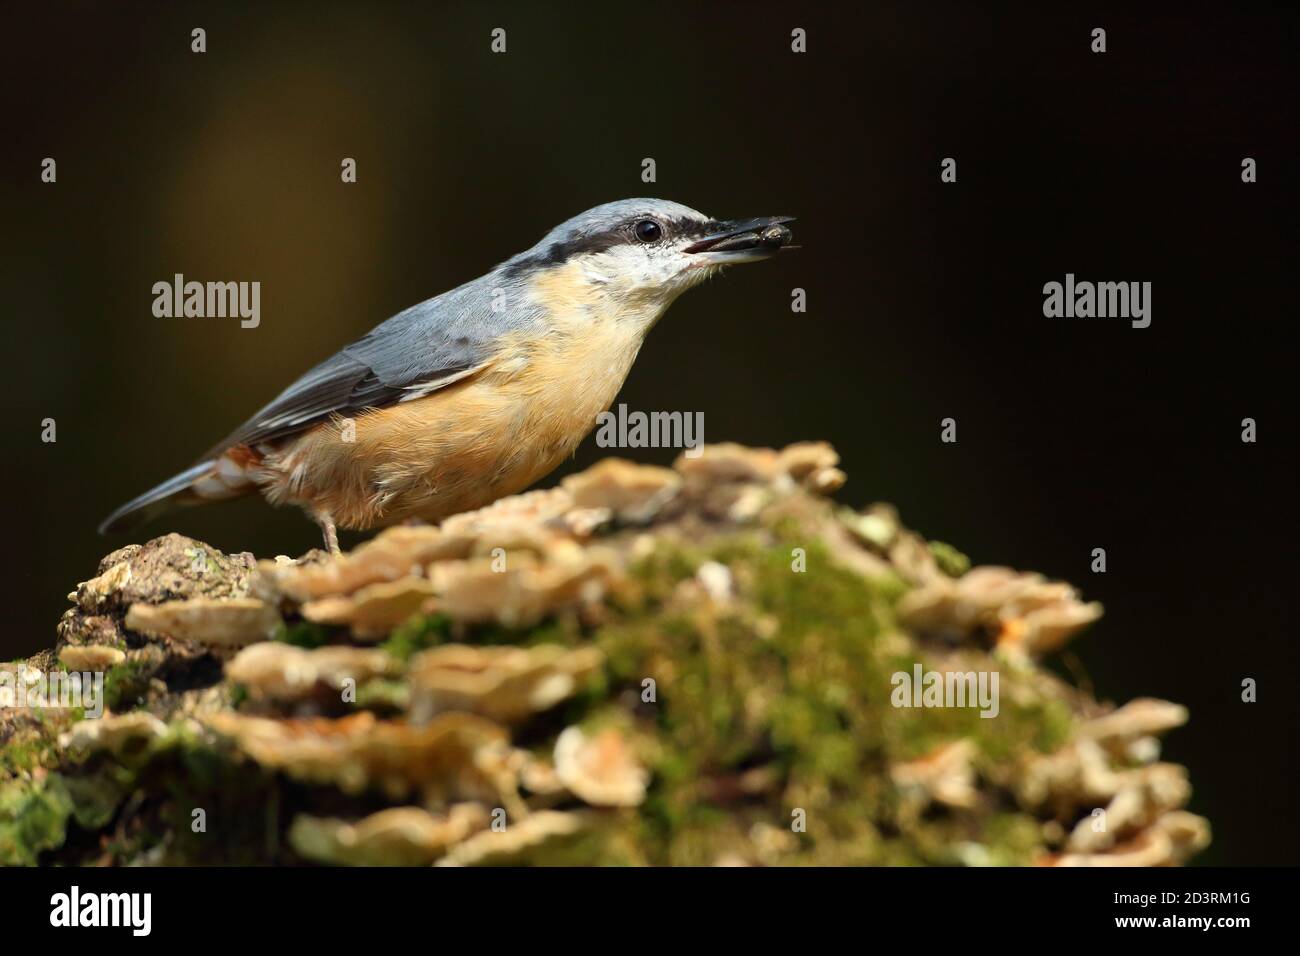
[172, 492]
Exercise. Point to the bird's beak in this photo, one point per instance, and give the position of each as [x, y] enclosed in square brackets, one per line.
[743, 240]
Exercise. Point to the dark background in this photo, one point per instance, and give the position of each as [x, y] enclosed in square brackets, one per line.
[924, 298]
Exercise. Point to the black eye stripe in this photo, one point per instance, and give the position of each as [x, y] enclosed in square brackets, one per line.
[675, 228]
[683, 227]
[693, 228]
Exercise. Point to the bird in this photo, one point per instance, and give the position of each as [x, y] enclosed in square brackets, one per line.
[479, 392]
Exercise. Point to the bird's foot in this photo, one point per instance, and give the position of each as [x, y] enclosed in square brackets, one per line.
[330, 532]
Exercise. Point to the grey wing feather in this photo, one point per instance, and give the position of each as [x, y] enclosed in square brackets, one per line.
[416, 351]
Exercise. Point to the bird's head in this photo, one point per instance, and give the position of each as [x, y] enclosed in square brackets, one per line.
[646, 252]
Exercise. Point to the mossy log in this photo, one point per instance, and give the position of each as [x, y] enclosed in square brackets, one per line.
[710, 664]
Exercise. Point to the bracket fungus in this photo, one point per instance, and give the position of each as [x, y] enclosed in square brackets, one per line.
[507, 684]
[643, 665]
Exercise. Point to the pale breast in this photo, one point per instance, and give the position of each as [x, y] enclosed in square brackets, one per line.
[461, 447]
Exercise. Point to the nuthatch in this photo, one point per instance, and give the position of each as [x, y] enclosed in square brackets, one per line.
[478, 392]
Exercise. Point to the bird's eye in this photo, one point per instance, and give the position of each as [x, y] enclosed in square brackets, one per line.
[647, 230]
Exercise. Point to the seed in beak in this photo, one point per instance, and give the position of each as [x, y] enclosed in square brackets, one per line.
[774, 236]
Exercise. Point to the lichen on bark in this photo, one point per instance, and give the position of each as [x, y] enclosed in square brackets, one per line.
[688, 666]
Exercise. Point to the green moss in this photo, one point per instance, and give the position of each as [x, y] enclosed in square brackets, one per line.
[95, 797]
[385, 696]
[33, 819]
[21, 757]
[792, 678]
[418, 634]
[126, 685]
[951, 561]
[1054, 723]
[35, 814]
[306, 634]
[732, 693]
[36, 743]
[238, 805]
[174, 776]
